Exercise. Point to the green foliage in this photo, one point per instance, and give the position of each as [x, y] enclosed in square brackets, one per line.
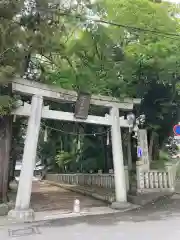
[6, 103]
[64, 158]
[118, 61]
[121, 61]
[6, 73]
[8, 8]
[163, 155]
[160, 162]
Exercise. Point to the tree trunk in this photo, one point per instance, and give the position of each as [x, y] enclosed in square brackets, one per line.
[156, 148]
[5, 142]
[12, 166]
[103, 142]
[151, 145]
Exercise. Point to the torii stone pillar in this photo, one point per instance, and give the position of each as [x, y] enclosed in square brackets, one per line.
[119, 174]
[22, 209]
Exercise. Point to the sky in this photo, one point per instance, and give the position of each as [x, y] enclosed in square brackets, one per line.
[174, 1]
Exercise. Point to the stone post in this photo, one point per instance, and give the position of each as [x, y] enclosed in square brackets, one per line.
[119, 173]
[111, 171]
[169, 166]
[140, 176]
[22, 210]
[126, 169]
[143, 144]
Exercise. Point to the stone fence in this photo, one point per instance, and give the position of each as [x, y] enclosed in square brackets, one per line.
[103, 180]
[157, 180]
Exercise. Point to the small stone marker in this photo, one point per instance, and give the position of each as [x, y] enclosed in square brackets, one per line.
[76, 207]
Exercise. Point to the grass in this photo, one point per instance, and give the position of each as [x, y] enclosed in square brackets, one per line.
[158, 164]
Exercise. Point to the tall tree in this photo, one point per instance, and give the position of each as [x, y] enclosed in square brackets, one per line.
[29, 29]
[138, 57]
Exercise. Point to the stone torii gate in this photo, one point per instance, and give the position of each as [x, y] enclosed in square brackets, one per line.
[36, 110]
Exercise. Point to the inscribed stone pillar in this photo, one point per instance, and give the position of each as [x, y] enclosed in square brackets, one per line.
[143, 144]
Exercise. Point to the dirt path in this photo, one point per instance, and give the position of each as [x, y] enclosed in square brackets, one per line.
[46, 197]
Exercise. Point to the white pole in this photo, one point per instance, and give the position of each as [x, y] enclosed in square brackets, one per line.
[29, 158]
[119, 174]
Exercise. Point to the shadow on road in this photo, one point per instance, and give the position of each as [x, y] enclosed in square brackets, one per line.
[161, 210]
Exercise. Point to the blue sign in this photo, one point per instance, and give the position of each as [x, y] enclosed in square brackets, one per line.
[139, 152]
[176, 130]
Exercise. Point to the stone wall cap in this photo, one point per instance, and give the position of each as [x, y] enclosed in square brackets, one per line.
[138, 163]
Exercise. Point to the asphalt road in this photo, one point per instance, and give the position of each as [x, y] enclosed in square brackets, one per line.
[155, 221]
[96, 229]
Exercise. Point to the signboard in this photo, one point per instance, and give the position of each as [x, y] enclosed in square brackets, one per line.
[139, 152]
[82, 106]
[143, 146]
[176, 130]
